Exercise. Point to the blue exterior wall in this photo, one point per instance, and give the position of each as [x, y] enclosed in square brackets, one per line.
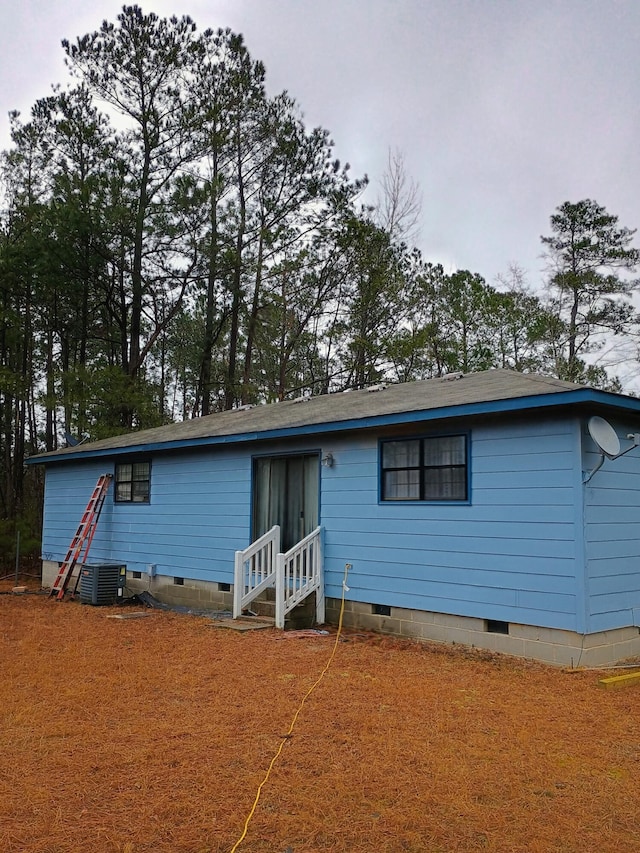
[612, 533]
[515, 552]
[198, 515]
[512, 554]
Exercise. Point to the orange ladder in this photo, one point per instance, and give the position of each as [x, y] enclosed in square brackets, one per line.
[82, 539]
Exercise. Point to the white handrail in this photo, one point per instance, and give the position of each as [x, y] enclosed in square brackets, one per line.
[298, 573]
[254, 569]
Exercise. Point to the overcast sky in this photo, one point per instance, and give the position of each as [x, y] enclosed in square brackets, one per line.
[503, 109]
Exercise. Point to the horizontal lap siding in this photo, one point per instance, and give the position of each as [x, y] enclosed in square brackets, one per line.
[612, 533]
[198, 515]
[510, 555]
[68, 489]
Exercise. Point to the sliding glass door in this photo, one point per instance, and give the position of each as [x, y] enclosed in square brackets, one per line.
[286, 492]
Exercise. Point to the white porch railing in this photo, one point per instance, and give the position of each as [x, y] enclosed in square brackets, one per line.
[295, 574]
[298, 573]
[255, 569]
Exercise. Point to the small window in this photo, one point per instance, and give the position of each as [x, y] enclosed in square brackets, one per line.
[132, 482]
[425, 469]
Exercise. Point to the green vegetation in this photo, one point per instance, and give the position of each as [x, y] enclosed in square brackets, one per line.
[174, 242]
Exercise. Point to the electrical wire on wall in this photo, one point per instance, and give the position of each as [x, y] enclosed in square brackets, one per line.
[294, 720]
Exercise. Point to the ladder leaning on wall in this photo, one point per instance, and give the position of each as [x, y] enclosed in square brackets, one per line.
[82, 539]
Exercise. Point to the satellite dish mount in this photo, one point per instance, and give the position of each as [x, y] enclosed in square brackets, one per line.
[606, 440]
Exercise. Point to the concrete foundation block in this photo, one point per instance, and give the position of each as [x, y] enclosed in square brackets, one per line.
[422, 617]
[411, 629]
[550, 645]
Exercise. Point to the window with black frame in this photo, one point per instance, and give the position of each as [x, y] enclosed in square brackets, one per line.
[132, 482]
[425, 469]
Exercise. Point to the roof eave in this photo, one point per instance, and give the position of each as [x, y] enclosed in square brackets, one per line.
[539, 401]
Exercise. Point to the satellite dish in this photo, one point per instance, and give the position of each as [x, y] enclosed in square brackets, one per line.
[604, 436]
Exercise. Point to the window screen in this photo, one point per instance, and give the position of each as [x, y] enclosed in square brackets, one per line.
[425, 469]
[132, 482]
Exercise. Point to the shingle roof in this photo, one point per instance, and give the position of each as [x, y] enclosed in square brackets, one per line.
[446, 397]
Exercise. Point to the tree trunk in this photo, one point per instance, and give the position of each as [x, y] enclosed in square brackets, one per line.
[212, 274]
[136, 272]
[253, 319]
[230, 385]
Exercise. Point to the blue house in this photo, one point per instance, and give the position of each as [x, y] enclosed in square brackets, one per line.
[476, 509]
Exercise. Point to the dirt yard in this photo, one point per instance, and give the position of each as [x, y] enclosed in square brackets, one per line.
[152, 735]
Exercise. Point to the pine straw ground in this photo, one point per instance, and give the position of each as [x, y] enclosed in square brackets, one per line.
[154, 734]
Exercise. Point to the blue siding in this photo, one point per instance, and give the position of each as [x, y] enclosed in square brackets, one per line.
[513, 553]
[508, 555]
[612, 533]
[67, 492]
[197, 518]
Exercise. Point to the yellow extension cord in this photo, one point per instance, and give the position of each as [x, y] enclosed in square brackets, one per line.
[286, 737]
